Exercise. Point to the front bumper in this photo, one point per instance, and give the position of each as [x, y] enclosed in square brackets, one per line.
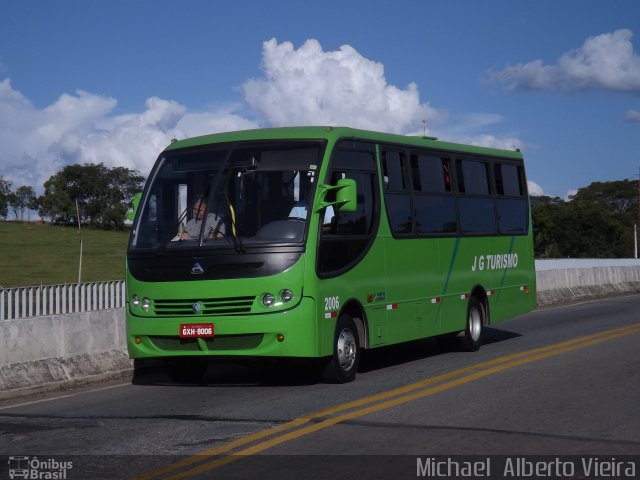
[251, 335]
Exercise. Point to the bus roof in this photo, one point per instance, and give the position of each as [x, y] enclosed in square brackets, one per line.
[333, 134]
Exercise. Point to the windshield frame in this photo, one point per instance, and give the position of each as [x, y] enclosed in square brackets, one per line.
[221, 174]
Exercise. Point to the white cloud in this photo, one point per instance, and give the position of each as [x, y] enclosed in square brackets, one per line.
[534, 189]
[309, 86]
[224, 120]
[304, 86]
[81, 128]
[491, 141]
[633, 116]
[606, 61]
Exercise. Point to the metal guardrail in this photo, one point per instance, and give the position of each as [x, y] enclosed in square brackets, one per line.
[25, 302]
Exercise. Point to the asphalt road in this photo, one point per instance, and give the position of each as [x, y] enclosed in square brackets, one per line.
[562, 381]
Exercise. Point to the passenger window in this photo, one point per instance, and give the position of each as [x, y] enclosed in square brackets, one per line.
[393, 171]
[473, 177]
[509, 180]
[477, 215]
[512, 215]
[399, 212]
[430, 174]
[435, 214]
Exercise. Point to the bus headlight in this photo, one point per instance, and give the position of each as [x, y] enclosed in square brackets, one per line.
[268, 299]
[146, 303]
[135, 300]
[286, 295]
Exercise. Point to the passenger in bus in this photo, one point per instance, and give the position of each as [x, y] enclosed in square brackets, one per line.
[214, 227]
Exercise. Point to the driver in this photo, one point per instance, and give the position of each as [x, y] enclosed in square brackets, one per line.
[214, 227]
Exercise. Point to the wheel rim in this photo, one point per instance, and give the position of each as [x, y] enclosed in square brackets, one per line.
[475, 324]
[346, 349]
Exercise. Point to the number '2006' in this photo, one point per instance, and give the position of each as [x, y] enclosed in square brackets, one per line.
[332, 303]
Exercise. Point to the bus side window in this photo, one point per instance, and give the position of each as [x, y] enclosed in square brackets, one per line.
[398, 198]
[511, 207]
[394, 171]
[351, 232]
[435, 212]
[476, 209]
[509, 180]
[446, 172]
[473, 177]
[430, 174]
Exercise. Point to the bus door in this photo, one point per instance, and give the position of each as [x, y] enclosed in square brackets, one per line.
[350, 260]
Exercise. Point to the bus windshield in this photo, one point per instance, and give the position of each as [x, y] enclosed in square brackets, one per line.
[238, 195]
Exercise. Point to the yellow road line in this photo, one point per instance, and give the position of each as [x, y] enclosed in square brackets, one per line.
[291, 430]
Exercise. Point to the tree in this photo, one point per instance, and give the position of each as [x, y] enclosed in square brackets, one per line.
[5, 193]
[591, 231]
[102, 194]
[619, 196]
[596, 222]
[23, 199]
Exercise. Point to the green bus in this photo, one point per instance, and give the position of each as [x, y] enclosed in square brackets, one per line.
[318, 242]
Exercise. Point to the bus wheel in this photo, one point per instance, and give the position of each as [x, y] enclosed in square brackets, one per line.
[186, 370]
[472, 339]
[342, 366]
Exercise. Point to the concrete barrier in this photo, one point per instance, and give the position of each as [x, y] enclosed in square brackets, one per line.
[570, 280]
[62, 351]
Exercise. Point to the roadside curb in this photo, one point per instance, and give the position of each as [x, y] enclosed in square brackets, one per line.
[62, 373]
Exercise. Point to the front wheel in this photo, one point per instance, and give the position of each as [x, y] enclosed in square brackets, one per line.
[472, 339]
[342, 366]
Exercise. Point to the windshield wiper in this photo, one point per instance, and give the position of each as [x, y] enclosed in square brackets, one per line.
[237, 242]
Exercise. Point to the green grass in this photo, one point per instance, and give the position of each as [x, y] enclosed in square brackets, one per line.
[35, 254]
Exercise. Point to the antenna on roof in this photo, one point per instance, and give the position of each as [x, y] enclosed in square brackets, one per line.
[424, 128]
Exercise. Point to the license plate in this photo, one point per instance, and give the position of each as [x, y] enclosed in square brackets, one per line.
[195, 330]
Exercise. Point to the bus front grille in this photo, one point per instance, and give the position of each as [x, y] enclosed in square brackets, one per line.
[219, 342]
[210, 306]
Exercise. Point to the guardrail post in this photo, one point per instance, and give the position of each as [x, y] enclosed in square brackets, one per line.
[10, 305]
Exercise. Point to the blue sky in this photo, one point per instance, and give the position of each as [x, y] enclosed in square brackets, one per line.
[114, 81]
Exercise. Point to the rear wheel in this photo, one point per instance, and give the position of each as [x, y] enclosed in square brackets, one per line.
[342, 366]
[472, 339]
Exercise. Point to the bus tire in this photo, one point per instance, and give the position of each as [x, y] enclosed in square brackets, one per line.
[472, 338]
[342, 365]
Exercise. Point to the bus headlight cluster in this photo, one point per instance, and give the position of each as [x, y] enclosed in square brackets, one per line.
[286, 295]
[269, 299]
[145, 303]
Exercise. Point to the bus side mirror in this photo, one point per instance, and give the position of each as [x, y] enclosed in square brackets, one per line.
[133, 206]
[346, 196]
